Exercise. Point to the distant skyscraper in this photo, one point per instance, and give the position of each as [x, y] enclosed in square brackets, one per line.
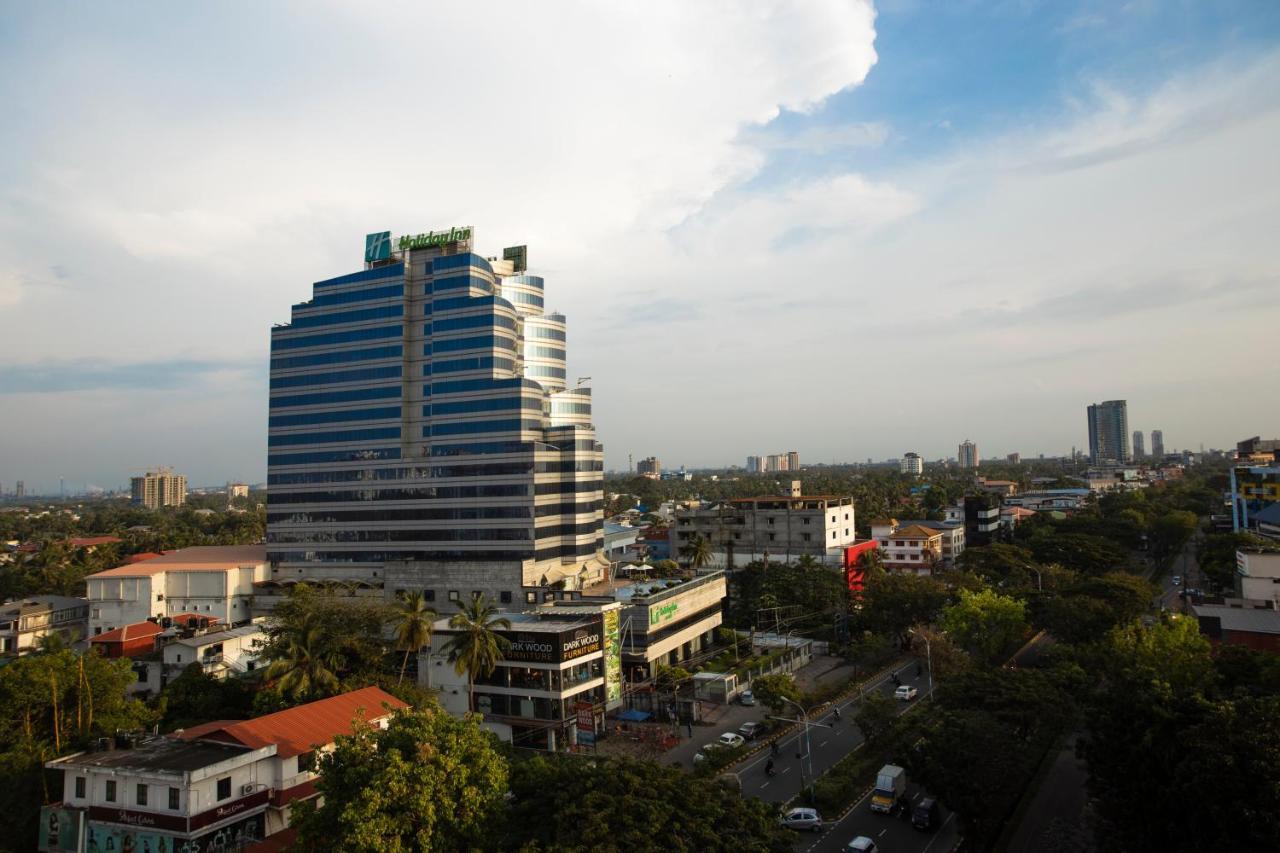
[1139, 446]
[159, 488]
[793, 460]
[968, 454]
[1014, 458]
[755, 464]
[775, 462]
[649, 467]
[912, 463]
[1109, 432]
[20, 490]
[1157, 444]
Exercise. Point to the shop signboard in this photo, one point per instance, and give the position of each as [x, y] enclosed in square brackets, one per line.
[586, 718]
[107, 838]
[553, 646]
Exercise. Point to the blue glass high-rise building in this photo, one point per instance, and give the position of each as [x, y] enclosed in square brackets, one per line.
[1109, 432]
[423, 434]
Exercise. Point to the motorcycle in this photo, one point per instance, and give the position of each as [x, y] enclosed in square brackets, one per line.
[768, 769]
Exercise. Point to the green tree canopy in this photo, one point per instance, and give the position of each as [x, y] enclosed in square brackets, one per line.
[775, 690]
[985, 623]
[428, 782]
[607, 804]
[477, 647]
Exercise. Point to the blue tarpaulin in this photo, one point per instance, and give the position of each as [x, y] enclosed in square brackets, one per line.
[634, 716]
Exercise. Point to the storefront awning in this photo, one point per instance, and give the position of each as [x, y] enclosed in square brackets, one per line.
[633, 716]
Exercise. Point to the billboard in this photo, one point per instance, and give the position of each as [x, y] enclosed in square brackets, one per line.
[553, 646]
[106, 838]
[612, 659]
[60, 829]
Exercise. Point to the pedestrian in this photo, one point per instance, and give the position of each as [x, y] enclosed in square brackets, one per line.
[689, 727]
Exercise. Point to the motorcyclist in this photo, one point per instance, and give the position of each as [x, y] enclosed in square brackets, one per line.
[835, 710]
[768, 768]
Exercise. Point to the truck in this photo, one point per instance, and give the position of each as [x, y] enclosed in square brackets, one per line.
[891, 786]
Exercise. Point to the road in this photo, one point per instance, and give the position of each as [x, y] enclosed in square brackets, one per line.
[891, 834]
[831, 741]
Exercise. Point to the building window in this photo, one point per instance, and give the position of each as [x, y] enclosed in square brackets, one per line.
[884, 543]
[771, 521]
[428, 595]
[453, 595]
[111, 790]
[771, 537]
[531, 597]
[224, 788]
[173, 799]
[505, 596]
[846, 517]
[80, 787]
[142, 795]
[805, 537]
[806, 520]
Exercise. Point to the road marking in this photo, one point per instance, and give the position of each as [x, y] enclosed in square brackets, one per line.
[882, 832]
[786, 770]
[939, 832]
[764, 785]
[824, 743]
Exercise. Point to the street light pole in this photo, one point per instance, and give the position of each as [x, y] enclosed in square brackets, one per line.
[808, 751]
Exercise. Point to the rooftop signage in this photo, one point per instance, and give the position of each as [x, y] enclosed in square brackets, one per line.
[554, 647]
[433, 238]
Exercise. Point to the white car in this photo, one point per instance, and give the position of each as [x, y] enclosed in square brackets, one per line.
[802, 819]
[731, 740]
[906, 693]
[862, 844]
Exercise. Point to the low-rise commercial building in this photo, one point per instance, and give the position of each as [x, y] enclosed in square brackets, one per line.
[214, 581]
[1240, 625]
[1258, 576]
[23, 623]
[560, 670]
[221, 653]
[777, 527]
[213, 787]
[1253, 489]
[668, 622]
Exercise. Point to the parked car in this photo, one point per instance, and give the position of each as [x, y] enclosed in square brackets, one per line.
[862, 844]
[1177, 580]
[925, 814]
[747, 698]
[751, 730]
[731, 739]
[802, 819]
[906, 693]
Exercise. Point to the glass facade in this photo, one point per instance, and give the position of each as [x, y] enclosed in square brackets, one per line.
[455, 468]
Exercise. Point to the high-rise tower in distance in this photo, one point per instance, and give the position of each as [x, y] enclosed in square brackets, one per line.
[1109, 432]
[967, 454]
[1139, 446]
[423, 433]
[1157, 444]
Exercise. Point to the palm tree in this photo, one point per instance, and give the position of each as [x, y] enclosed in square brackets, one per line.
[477, 647]
[697, 552]
[413, 625]
[304, 664]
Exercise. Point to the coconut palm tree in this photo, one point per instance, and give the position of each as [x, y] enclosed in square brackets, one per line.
[477, 647]
[697, 552]
[413, 622]
[305, 665]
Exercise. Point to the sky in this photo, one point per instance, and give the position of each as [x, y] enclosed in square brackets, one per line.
[845, 229]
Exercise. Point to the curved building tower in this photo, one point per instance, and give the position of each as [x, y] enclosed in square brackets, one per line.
[423, 433]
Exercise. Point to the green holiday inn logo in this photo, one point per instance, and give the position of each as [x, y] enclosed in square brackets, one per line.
[377, 247]
[662, 612]
[434, 238]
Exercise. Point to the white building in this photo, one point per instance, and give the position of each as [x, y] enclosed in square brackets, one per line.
[216, 786]
[214, 581]
[1258, 576]
[968, 454]
[911, 463]
[913, 548]
[231, 652]
[23, 623]
[782, 528]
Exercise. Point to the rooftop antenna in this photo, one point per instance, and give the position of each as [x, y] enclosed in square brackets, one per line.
[582, 379]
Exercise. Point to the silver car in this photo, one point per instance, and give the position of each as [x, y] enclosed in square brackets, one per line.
[802, 819]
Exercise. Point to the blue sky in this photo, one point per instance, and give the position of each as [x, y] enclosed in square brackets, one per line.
[846, 230]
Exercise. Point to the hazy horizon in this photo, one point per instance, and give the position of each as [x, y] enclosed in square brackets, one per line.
[845, 230]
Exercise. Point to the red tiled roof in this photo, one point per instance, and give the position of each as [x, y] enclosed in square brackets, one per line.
[915, 531]
[301, 729]
[91, 541]
[202, 558]
[138, 558]
[135, 631]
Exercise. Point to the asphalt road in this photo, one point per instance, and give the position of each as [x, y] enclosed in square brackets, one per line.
[892, 834]
[831, 741]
